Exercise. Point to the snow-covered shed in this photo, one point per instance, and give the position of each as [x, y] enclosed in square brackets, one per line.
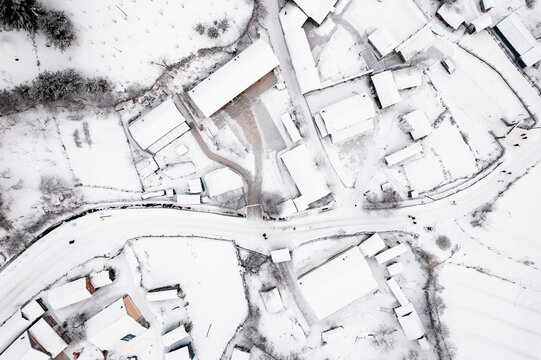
[403, 154]
[482, 22]
[316, 10]
[45, 335]
[386, 89]
[337, 282]
[70, 293]
[383, 41]
[407, 79]
[391, 253]
[280, 255]
[486, 5]
[158, 127]
[395, 268]
[291, 17]
[222, 180]
[372, 245]
[307, 176]
[397, 291]
[416, 123]
[162, 295]
[342, 119]
[115, 325]
[175, 336]
[11, 328]
[272, 300]
[179, 354]
[302, 60]
[520, 40]
[237, 75]
[188, 199]
[416, 43]
[102, 278]
[411, 325]
[239, 354]
[25, 348]
[451, 15]
[290, 127]
[195, 186]
[33, 310]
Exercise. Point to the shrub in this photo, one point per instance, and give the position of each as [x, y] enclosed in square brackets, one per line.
[200, 28]
[223, 24]
[443, 242]
[55, 86]
[20, 14]
[213, 32]
[57, 28]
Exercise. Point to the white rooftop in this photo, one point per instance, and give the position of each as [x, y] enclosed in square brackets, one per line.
[100, 279]
[303, 60]
[272, 300]
[514, 31]
[482, 22]
[406, 79]
[418, 124]
[532, 56]
[386, 89]
[68, 294]
[416, 43]
[180, 354]
[21, 349]
[189, 199]
[337, 282]
[291, 17]
[403, 154]
[47, 337]
[317, 10]
[221, 181]
[451, 14]
[411, 325]
[372, 245]
[352, 131]
[307, 176]
[156, 123]
[32, 311]
[11, 328]
[281, 255]
[383, 41]
[162, 295]
[174, 336]
[239, 354]
[347, 112]
[195, 186]
[234, 77]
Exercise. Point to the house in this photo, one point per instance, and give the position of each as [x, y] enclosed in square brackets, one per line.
[397, 291]
[411, 323]
[290, 127]
[302, 60]
[47, 338]
[337, 282]
[415, 43]
[519, 40]
[25, 347]
[406, 79]
[307, 177]
[33, 310]
[272, 300]
[372, 245]
[291, 17]
[386, 89]
[383, 41]
[482, 22]
[175, 336]
[240, 354]
[221, 181]
[391, 253]
[164, 294]
[234, 77]
[12, 327]
[403, 154]
[158, 127]
[451, 15]
[486, 5]
[281, 255]
[70, 293]
[416, 123]
[316, 10]
[182, 353]
[115, 325]
[102, 278]
[347, 118]
[195, 186]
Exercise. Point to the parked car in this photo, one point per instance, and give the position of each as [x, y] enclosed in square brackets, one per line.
[448, 64]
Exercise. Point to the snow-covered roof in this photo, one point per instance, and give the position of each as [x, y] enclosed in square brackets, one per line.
[23, 349]
[47, 338]
[239, 354]
[411, 325]
[11, 328]
[189, 199]
[404, 309]
[347, 112]
[518, 36]
[386, 89]
[195, 186]
[280, 255]
[451, 14]
[418, 124]
[317, 10]
[107, 328]
[488, 4]
[290, 127]
[180, 354]
[237, 75]
[308, 178]
[68, 294]
[272, 300]
[407, 79]
[303, 60]
[162, 295]
[482, 22]
[372, 245]
[383, 41]
[101, 279]
[532, 56]
[397, 291]
[403, 154]
[352, 131]
[416, 43]
[156, 123]
[174, 336]
[291, 17]
[337, 282]
[221, 181]
[391, 253]
[395, 268]
[32, 311]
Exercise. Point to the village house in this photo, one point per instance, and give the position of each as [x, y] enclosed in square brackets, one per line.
[451, 15]
[70, 293]
[383, 42]
[386, 89]
[519, 40]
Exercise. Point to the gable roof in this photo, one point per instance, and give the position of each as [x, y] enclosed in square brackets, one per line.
[347, 112]
[383, 41]
[386, 89]
[516, 34]
[317, 10]
[302, 60]
[22, 349]
[416, 43]
[68, 294]
[451, 15]
[47, 337]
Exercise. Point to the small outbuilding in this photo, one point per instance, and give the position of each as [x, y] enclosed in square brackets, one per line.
[272, 300]
[416, 43]
[102, 278]
[182, 353]
[404, 154]
[240, 354]
[451, 15]
[386, 89]
[176, 336]
[70, 293]
[221, 181]
[372, 245]
[383, 41]
[166, 294]
[391, 253]
[416, 123]
[195, 186]
[290, 127]
[486, 5]
[47, 338]
[281, 255]
[317, 10]
[481, 23]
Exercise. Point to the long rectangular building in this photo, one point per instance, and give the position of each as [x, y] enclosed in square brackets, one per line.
[234, 77]
[303, 60]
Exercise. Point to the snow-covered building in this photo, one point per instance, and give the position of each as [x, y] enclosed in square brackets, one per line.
[406, 79]
[486, 5]
[391, 253]
[416, 123]
[347, 118]
[316, 10]
[451, 15]
[195, 186]
[147, 167]
[395, 268]
[404, 154]
[221, 181]
[12, 327]
[386, 89]
[410, 322]
[337, 282]
[158, 127]
[383, 41]
[175, 336]
[239, 354]
[302, 60]
[70, 293]
[520, 40]
[280, 255]
[290, 127]
[291, 17]
[482, 22]
[416, 43]
[372, 245]
[307, 177]
[33, 310]
[179, 354]
[162, 295]
[25, 347]
[272, 300]
[237, 75]
[397, 291]
[117, 324]
[102, 278]
[44, 334]
[188, 199]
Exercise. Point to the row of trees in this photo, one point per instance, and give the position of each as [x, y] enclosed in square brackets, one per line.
[31, 16]
[49, 88]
